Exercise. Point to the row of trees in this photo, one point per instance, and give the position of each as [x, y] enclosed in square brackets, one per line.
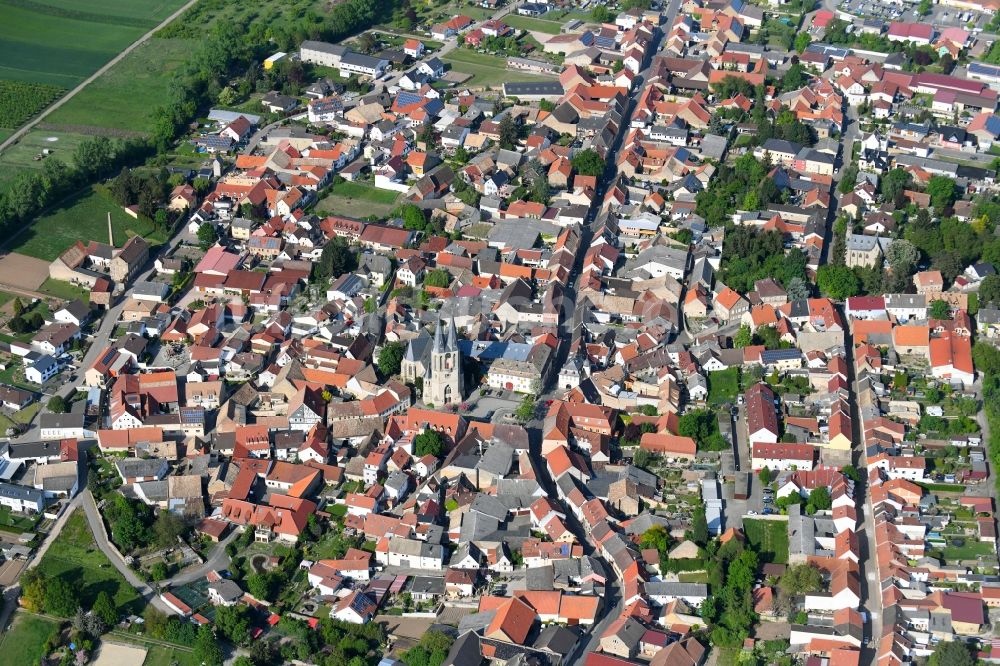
[33, 190]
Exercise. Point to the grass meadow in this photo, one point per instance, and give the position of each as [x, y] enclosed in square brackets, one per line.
[83, 217]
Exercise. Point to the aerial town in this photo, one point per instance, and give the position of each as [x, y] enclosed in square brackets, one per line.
[514, 334]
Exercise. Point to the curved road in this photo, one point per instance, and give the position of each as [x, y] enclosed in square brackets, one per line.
[16, 136]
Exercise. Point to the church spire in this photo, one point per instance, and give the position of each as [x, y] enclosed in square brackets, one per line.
[452, 336]
[438, 338]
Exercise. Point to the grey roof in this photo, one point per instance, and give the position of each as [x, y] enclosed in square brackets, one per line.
[663, 588]
[781, 146]
[489, 505]
[20, 451]
[135, 467]
[362, 60]
[70, 420]
[497, 459]
[546, 88]
[22, 493]
[324, 47]
[227, 589]
[427, 585]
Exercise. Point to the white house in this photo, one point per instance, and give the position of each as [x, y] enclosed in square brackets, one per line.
[414, 554]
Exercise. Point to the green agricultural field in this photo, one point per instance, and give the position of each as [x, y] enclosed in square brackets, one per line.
[75, 555]
[486, 70]
[59, 43]
[24, 642]
[22, 154]
[533, 24]
[19, 101]
[84, 218]
[357, 200]
[769, 538]
[126, 96]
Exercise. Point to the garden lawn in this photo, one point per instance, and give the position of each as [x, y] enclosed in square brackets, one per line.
[693, 576]
[723, 385]
[14, 523]
[64, 290]
[75, 556]
[81, 218]
[126, 96]
[357, 200]
[7, 522]
[769, 538]
[970, 551]
[159, 655]
[486, 69]
[22, 644]
[533, 24]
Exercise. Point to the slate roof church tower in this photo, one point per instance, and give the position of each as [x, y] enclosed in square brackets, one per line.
[443, 384]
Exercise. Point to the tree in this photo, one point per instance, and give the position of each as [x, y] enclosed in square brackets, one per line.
[206, 649]
[33, 590]
[849, 177]
[159, 571]
[851, 472]
[656, 537]
[989, 291]
[432, 650]
[699, 526]
[57, 405]
[743, 337]
[18, 307]
[438, 277]
[526, 410]
[508, 132]
[60, 598]
[837, 282]
[413, 217]
[951, 653]
[601, 14]
[765, 476]
[207, 235]
[390, 357]
[802, 40]
[261, 585]
[893, 184]
[336, 259]
[820, 498]
[643, 459]
[588, 163]
[105, 608]
[902, 256]
[429, 442]
[234, 623]
[940, 309]
[942, 192]
[167, 529]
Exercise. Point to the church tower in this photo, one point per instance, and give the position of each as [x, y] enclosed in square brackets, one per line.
[444, 383]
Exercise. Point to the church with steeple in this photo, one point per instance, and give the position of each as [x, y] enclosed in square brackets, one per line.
[443, 384]
[437, 362]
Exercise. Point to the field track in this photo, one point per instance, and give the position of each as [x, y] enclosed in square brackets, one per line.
[83, 84]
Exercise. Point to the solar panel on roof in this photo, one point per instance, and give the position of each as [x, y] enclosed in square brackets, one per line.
[407, 98]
